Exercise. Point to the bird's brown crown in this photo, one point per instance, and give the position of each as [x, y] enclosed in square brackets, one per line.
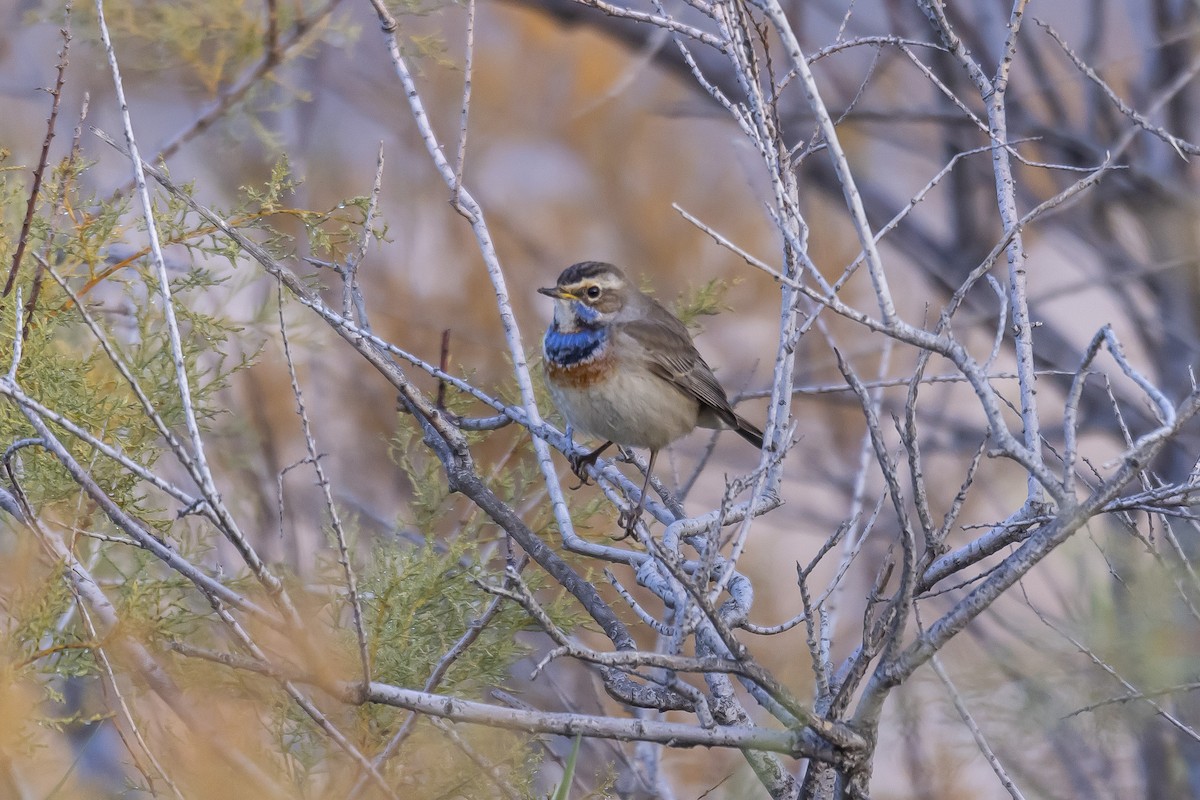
[588, 270]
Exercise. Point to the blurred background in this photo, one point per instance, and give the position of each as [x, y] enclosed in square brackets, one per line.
[584, 132]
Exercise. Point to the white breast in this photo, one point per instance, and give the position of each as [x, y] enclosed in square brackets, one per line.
[636, 410]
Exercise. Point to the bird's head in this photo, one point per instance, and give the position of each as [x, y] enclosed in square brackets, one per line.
[589, 294]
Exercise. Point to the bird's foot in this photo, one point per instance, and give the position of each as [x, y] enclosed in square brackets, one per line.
[579, 464]
[627, 521]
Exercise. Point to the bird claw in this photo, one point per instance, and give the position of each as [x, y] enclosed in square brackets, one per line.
[579, 465]
[628, 521]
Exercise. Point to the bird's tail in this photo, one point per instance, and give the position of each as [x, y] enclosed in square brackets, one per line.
[748, 431]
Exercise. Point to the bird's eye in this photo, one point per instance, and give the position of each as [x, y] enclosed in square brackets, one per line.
[593, 292]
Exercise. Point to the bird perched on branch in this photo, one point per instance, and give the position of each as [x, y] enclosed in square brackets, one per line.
[623, 368]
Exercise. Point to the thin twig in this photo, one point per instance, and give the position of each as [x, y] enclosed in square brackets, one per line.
[980, 741]
[1181, 146]
[40, 170]
[126, 713]
[203, 474]
[468, 63]
[335, 518]
[277, 52]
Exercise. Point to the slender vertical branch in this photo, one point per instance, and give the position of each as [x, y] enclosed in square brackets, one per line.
[40, 170]
[202, 472]
[841, 166]
[335, 519]
[468, 62]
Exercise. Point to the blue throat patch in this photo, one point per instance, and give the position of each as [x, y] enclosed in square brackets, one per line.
[584, 313]
[571, 348]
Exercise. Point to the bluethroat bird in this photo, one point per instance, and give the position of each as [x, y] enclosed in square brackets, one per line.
[623, 368]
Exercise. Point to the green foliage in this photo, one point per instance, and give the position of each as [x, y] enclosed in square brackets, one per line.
[64, 369]
[32, 631]
[564, 786]
[206, 43]
[423, 600]
[417, 602]
[706, 300]
[428, 491]
[62, 366]
[331, 235]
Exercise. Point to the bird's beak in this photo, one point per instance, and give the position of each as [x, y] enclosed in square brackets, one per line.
[556, 293]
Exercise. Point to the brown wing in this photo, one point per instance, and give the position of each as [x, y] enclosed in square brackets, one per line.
[671, 355]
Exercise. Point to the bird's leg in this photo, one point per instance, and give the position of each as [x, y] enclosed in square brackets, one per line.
[579, 464]
[630, 522]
